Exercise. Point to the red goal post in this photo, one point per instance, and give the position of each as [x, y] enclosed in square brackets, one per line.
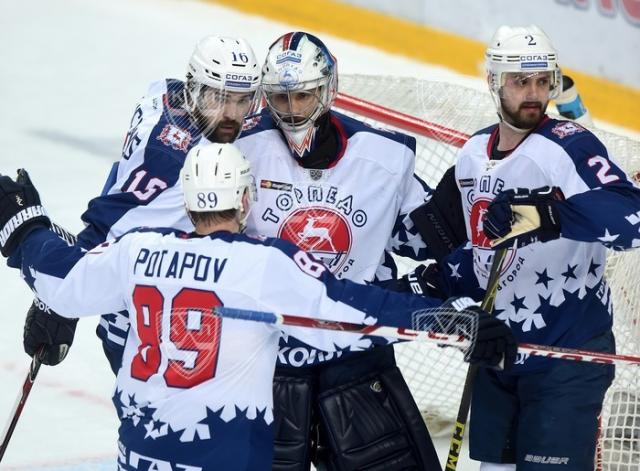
[442, 116]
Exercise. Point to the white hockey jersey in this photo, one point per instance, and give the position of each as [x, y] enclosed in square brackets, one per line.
[351, 216]
[551, 293]
[195, 391]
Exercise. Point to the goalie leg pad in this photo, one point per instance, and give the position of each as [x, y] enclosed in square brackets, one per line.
[292, 419]
[373, 423]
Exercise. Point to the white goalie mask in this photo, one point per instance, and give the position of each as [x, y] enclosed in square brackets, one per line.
[299, 62]
[220, 70]
[216, 177]
[524, 50]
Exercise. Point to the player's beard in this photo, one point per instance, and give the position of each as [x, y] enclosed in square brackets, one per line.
[224, 131]
[527, 116]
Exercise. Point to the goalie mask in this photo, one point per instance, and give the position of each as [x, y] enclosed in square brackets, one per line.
[299, 81]
[222, 80]
[216, 177]
[521, 55]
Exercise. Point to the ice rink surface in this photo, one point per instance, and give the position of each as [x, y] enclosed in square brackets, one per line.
[71, 72]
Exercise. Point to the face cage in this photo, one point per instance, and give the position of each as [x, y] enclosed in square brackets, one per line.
[323, 99]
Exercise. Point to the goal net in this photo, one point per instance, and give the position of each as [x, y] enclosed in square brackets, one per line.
[442, 116]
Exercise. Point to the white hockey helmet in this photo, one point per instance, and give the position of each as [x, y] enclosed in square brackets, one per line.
[297, 62]
[224, 63]
[215, 177]
[521, 49]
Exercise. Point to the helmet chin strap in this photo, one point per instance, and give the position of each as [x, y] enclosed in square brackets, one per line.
[512, 127]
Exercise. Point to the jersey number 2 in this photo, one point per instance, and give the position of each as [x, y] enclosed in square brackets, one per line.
[194, 336]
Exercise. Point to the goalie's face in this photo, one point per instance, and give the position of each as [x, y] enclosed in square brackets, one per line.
[220, 113]
[524, 97]
[295, 108]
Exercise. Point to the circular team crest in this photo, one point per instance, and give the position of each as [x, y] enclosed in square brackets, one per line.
[323, 232]
[481, 243]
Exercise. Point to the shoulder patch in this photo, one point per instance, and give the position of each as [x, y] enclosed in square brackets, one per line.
[566, 128]
[175, 137]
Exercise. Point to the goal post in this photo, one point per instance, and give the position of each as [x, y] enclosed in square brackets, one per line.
[442, 116]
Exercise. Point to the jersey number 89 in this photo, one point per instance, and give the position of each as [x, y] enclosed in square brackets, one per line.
[194, 336]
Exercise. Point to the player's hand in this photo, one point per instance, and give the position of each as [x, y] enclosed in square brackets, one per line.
[493, 343]
[44, 328]
[425, 280]
[523, 215]
[20, 211]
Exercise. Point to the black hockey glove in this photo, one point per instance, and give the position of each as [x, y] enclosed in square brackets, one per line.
[425, 280]
[20, 211]
[523, 215]
[45, 328]
[494, 345]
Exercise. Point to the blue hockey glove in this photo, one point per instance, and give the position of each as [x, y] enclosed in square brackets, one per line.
[523, 215]
[20, 211]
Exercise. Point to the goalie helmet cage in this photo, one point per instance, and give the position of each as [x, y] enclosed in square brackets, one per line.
[442, 116]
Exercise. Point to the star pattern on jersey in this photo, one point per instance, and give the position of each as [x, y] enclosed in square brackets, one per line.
[607, 238]
[593, 266]
[156, 429]
[570, 273]
[405, 239]
[455, 270]
[29, 276]
[543, 278]
[518, 303]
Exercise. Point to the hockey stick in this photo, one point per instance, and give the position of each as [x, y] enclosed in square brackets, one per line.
[34, 367]
[472, 371]
[399, 333]
[20, 401]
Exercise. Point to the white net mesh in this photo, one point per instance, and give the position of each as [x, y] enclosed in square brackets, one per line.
[436, 376]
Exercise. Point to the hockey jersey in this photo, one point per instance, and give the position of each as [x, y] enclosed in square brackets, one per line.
[344, 214]
[195, 391]
[552, 293]
[352, 215]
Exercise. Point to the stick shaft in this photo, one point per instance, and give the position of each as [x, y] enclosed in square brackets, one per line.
[19, 404]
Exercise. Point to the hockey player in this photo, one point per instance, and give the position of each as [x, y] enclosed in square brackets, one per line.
[549, 186]
[311, 176]
[222, 79]
[344, 191]
[194, 391]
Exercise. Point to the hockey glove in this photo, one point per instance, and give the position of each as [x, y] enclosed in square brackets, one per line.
[494, 344]
[425, 281]
[44, 328]
[20, 211]
[523, 215]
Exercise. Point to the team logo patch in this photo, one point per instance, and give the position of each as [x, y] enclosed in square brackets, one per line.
[481, 243]
[175, 137]
[567, 128]
[478, 212]
[321, 231]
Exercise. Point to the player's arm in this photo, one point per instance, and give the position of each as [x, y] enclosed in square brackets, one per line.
[405, 239]
[59, 273]
[135, 197]
[597, 202]
[309, 288]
